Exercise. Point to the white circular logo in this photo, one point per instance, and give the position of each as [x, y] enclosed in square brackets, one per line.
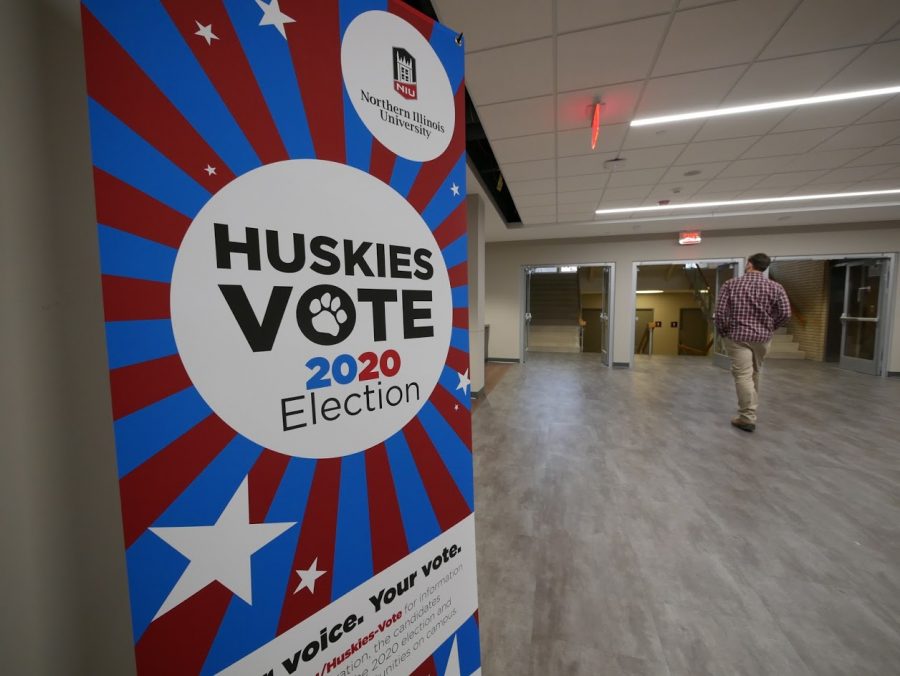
[311, 307]
[398, 86]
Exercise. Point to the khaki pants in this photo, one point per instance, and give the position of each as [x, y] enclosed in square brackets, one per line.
[746, 362]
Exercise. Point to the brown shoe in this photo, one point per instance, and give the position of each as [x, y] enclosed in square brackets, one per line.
[742, 424]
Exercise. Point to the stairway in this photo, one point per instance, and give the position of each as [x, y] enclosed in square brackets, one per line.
[784, 347]
[555, 311]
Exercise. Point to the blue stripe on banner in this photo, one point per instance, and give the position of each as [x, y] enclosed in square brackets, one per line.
[459, 338]
[353, 547]
[133, 342]
[450, 380]
[456, 252]
[127, 255]
[358, 137]
[444, 201]
[142, 434]
[419, 522]
[443, 41]
[452, 450]
[119, 151]
[289, 503]
[404, 175]
[460, 295]
[158, 568]
[469, 647]
[272, 65]
[145, 30]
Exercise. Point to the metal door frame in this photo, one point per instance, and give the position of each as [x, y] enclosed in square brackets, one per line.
[878, 356]
[525, 293]
[741, 263]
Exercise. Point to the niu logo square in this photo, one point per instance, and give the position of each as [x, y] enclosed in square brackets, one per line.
[405, 74]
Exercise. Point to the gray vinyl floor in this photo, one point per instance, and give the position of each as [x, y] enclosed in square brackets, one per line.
[624, 527]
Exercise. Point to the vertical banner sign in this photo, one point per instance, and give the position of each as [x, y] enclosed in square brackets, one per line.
[280, 206]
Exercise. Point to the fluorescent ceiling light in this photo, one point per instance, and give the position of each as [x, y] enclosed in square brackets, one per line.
[759, 200]
[771, 105]
[651, 291]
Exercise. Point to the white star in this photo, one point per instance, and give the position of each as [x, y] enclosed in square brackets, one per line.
[464, 382]
[456, 407]
[205, 32]
[273, 16]
[453, 662]
[309, 576]
[455, 190]
[210, 170]
[219, 552]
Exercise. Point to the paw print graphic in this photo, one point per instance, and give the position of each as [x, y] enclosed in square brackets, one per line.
[327, 315]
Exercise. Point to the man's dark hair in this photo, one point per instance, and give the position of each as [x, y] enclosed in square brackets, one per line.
[760, 262]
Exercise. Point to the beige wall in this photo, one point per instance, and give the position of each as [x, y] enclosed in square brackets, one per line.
[806, 284]
[505, 260]
[666, 309]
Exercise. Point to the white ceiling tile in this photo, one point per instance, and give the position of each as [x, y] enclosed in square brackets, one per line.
[863, 136]
[788, 144]
[641, 177]
[660, 135]
[878, 184]
[849, 174]
[527, 201]
[724, 34]
[540, 212]
[883, 155]
[893, 172]
[789, 179]
[830, 159]
[523, 148]
[791, 77]
[760, 193]
[691, 91]
[835, 114]
[730, 184]
[498, 22]
[583, 208]
[539, 187]
[828, 24]
[706, 171]
[582, 164]
[599, 56]
[526, 171]
[576, 108]
[515, 72]
[636, 193]
[755, 167]
[578, 141]
[737, 126]
[573, 15]
[583, 182]
[577, 196]
[676, 193]
[519, 118]
[821, 188]
[715, 151]
[886, 110]
[892, 35]
[648, 158]
[876, 67]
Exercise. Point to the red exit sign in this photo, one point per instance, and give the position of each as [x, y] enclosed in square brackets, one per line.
[689, 237]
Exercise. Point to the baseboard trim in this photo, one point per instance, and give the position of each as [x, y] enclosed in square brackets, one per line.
[477, 395]
[893, 374]
[621, 365]
[504, 360]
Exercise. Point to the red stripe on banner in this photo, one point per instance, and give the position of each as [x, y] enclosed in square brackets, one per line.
[179, 641]
[381, 164]
[433, 173]
[228, 69]
[457, 360]
[456, 415]
[128, 209]
[126, 299]
[461, 317]
[315, 42]
[427, 668]
[424, 24]
[453, 226]
[148, 490]
[264, 478]
[459, 275]
[449, 505]
[317, 538]
[389, 543]
[139, 385]
[119, 85]
[477, 620]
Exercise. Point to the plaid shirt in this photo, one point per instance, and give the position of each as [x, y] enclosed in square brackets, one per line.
[750, 308]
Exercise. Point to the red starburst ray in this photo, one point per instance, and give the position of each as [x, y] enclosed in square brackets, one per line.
[263, 481]
[461, 318]
[459, 275]
[139, 385]
[381, 162]
[120, 86]
[126, 299]
[456, 415]
[389, 543]
[317, 539]
[422, 23]
[452, 228]
[148, 490]
[457, 360]
[228, 69]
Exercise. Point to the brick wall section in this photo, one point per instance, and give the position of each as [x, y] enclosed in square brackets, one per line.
[806, 283]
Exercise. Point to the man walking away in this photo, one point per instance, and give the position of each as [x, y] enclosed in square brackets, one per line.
[748, 311]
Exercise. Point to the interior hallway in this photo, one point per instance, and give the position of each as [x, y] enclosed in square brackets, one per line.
[624, 527]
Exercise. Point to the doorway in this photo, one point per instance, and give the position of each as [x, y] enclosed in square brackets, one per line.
[693, 332]
[643, 330]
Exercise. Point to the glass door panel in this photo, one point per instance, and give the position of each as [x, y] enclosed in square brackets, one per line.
[862, 338]
[724, 272]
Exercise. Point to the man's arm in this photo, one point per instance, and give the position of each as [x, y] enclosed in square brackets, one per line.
[722, 315]
[781, 313]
